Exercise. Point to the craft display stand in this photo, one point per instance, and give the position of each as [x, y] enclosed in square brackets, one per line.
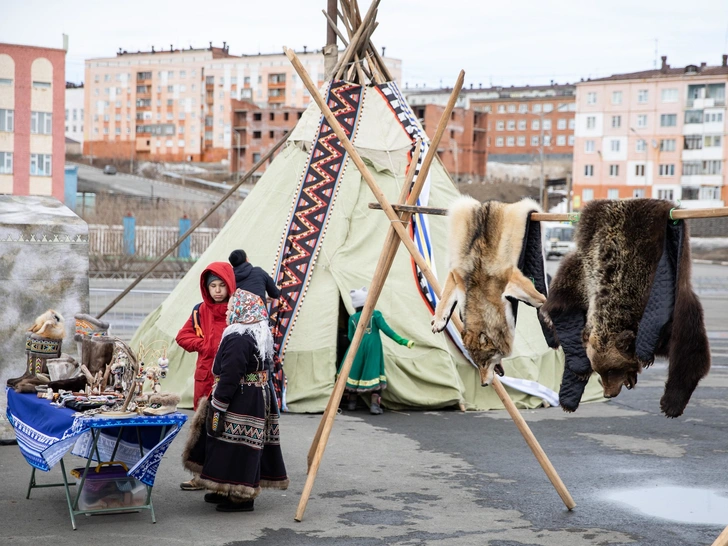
[72, 500]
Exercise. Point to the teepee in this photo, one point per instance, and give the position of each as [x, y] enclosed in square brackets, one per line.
[308, 222]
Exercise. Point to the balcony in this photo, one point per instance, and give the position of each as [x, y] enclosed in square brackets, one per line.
[697, 180]
[713, 152]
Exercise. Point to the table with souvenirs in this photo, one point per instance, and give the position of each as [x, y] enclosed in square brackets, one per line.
[97, 410]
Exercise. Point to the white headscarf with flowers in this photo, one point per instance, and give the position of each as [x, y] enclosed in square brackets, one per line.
[248, 314]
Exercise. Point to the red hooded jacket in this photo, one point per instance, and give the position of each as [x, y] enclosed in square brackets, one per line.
[211, 322]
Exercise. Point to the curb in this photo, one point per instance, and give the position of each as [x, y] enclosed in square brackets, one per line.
[710, 262]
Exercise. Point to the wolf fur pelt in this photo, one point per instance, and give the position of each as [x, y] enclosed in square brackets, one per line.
[623, 297]
[486, 244]
[50, 325]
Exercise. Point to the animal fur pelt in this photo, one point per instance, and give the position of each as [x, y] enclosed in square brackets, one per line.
[486, 244]
[50, 325]
[623, 297]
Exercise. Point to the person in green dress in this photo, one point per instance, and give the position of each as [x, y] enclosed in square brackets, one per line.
[367, 371]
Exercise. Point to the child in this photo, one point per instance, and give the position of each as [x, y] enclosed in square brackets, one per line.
[234, 441]
[367, 370]
[201, 334]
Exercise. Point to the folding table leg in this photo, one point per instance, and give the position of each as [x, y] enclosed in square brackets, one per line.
[31, 484]
[68, 494]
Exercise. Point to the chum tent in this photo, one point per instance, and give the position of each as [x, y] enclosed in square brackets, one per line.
[308, 223]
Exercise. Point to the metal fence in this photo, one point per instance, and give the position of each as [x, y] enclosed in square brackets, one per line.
[149, 241]
[126, 316]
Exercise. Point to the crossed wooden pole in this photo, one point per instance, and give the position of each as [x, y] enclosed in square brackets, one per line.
[397, 233]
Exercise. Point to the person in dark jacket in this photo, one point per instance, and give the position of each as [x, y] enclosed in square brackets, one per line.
[251, 278]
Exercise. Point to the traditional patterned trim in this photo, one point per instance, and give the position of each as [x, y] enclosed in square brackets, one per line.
[244, 429]
[311, 209]
[221, 406]
[44, 238]
[360, 385]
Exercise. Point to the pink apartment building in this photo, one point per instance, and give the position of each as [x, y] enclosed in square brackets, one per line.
[32, 143]
[658, 133]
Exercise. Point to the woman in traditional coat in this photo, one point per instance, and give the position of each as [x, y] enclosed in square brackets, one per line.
[234, 441]
[367, 371]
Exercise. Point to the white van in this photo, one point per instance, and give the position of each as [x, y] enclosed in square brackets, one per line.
[558, 239]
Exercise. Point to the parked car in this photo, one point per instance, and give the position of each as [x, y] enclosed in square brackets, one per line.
[559, 240]
[109, 169]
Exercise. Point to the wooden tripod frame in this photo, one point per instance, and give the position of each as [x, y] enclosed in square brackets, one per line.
[397, 233]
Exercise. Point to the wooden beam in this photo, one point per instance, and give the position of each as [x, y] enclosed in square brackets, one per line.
[722, 539]
[678, 214]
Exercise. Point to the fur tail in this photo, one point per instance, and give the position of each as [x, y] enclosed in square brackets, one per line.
[689, 351]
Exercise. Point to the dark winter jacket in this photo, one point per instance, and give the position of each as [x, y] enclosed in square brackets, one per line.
[254, 279]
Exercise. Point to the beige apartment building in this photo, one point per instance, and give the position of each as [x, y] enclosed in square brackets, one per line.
[658, 133]
[177, 104]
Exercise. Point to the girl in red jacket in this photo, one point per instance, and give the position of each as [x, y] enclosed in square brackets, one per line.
[201, 334]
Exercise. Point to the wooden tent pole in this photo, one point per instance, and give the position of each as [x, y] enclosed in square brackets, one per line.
[369, 305]
[391, 244]
[722, 539]
[204, 217]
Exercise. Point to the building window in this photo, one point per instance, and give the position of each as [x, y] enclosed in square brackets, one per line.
[614, 170]
[669, 95]
[638, 193]
[40, 164]
[535, 125]
[7, 120]
[667, 145]
[572, 123]
[511, 125]
[210, 80]
[534, 141]
[713, 117]
[591, 122]
[41, 123]
[642, 120]
[616, 122]
[547, 140]
[510, 141]
[587, 194]
[547, 125]
[6, 81]
[561, 140]
[511, 108]
[668, 120]
[642, 96]
[588, 170]
[613, 193]
[616, 97]
[710, 192]
[522, 125]
[665, 194]
[641, 145]
[712, 167]
[6, 162]
[500, 125]
[501, 108]
[561, 124]
[639, 170]
[499, 142]
[548, 107]
[589, 146]
[256, 134]
[667, 169]
[713, 141]
[521, 140]
[591, 98]
[570, 139]
[693, 116]
[614, 145]
[693, 142]
[42, 85]
[522, 108]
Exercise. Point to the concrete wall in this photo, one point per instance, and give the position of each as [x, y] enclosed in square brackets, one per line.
[43, 264]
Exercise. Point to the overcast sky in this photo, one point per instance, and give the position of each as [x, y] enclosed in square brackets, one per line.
[495, 42]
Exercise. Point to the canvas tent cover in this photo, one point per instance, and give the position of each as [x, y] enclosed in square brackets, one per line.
[433, 374]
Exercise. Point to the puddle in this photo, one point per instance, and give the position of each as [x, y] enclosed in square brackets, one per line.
[680, 504]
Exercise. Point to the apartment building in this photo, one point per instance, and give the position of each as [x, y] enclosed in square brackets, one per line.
[176, 104]
[74, 112]
[256, 130]
[657, 133]
[528, 124]
[32, 85]
[462, 147]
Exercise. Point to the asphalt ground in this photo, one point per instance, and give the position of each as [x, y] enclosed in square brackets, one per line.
[450, 478]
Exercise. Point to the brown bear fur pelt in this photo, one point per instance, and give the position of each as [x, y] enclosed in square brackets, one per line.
[609, 278]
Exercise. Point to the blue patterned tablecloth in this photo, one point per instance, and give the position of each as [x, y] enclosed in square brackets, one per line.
[46, 433]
